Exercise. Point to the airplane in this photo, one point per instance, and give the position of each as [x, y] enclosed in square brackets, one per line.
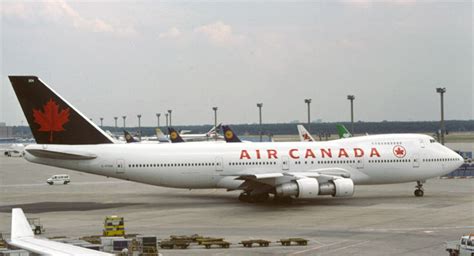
[304, 134]
[343, 132]
[286, 170]
[174, 136]
[229, 135]
[211, 135]
[22, 237]
[128, 137]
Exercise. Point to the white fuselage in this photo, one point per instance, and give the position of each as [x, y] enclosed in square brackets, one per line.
[375, 159]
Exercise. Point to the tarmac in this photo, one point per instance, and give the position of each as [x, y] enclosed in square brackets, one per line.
[378, 220]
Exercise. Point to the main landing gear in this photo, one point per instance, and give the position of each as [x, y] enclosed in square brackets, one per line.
[259, 198]
[419, 188]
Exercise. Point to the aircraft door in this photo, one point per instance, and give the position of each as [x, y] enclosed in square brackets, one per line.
[416, 161]
[285, 163]
[360, 163]
[120, 166]
[219, 164]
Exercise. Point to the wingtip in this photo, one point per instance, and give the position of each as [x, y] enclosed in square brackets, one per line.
[20, 225]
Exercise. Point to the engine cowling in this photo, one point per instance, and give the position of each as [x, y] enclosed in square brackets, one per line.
[343, 187]
[302, 188]
[311, 188]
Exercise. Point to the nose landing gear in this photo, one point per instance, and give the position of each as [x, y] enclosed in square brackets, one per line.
[419, 188]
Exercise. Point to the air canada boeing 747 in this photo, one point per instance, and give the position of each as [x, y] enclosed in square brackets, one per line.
[67, 139]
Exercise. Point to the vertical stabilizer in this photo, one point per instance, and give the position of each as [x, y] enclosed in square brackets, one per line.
[20, 225]
[304, 134]
[343, 132]
[174, 135]
[229, 135]
[51, 118]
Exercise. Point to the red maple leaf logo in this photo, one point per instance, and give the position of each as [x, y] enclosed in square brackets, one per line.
[399, 151]
[306, 137]
[51, 119]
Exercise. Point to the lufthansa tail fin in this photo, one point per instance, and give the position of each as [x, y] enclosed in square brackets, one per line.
[174, 135]
[51, 118]
[229, 135]
[128, 137]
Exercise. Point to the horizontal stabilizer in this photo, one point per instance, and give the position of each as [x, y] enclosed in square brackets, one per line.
[62, 155]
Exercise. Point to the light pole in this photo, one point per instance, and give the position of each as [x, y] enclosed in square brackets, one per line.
[260, 105]
[139, 127]
[308, 102]
[115, 118]
[441, 92]
[169, 111]
[158, 119]
[101, 122]
[215, 122]
[124, 117]
[352, 98]
[166, 116]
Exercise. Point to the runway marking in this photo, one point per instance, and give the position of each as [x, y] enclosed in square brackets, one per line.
[316, 248]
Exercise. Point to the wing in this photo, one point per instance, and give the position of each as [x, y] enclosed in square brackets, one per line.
[22, 236]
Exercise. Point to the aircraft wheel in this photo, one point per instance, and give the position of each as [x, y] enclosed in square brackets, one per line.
[244, 197]
[261, 198]
[419, 193]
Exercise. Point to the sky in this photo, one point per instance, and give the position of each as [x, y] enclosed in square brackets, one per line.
[115, 58]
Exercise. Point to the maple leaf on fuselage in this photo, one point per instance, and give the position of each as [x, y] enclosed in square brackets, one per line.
[51, 119]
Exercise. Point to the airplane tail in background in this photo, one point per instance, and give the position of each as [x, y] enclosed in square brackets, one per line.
[52, 119]
[214, 130]
[161, 136]
[304, 134]
[229, 135]
[174, 135]
[342, 131]
[128, 137]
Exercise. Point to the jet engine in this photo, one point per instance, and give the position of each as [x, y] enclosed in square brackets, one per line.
[311, 188]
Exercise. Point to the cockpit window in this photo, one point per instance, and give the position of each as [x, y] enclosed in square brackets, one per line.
[432, 141]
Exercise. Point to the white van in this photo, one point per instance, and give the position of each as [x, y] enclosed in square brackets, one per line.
[59, 179]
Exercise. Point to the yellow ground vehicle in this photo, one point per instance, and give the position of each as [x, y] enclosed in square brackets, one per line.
[114, 226]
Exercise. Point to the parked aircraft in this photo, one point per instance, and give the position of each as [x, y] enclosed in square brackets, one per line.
[211, 135]
[229, 135]
[304, 134]
[343, 132]
[129, 137]
[68, 139]
[175, 137]
[22, 237]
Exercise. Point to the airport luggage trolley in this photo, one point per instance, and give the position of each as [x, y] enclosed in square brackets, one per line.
[221, 244]
[260, 242]
[171, 244]
[293, 241]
